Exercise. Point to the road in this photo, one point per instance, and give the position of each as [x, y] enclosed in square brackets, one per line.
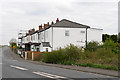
[15, 67]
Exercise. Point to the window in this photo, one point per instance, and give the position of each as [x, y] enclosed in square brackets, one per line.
[31, 37]
[27, 38]
[38, 36]
[82, 31]
[67, 33]
[34, 37]
[46, 49]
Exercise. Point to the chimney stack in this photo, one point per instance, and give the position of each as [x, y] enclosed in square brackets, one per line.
[52, 23]
[44, 26]
[57, 20]
[48, 23]
[40, 27]
[33, 30]
[29, 31]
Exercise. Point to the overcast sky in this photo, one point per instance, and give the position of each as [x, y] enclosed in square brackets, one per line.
[18, 15]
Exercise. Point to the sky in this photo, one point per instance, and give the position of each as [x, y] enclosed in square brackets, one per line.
[16, 15]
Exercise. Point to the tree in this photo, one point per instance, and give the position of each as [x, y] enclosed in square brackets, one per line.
[112, 37]
[119, 37]
[105, 37]
[13, 42]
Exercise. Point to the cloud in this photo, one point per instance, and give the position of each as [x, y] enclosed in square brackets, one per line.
[26, 14]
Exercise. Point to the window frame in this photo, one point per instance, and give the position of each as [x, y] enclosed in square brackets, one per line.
[67, 33]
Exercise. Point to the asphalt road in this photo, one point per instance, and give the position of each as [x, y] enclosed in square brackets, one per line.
[15, 67]
[0, 63]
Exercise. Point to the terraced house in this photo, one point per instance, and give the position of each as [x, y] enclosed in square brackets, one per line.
[60, 34]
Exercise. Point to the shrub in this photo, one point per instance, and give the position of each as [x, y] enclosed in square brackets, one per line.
[70, 53]
[73, 52]
[95, 55]
[109, 44]
[54, 56]
[92, 46]
[100, 56]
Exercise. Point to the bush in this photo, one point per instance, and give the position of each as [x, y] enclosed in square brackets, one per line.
[100, 56]
[109, 44]
[92, 46]
[70, 53]
[54, 56]
[95, 55]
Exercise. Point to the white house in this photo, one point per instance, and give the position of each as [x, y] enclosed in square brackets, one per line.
[62, 33]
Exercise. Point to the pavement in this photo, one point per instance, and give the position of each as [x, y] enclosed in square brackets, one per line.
[0, 63]
[83, 69]
[16, 68]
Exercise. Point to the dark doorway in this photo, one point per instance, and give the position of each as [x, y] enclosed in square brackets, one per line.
[27, 47]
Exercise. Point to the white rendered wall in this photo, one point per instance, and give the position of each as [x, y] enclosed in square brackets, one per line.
[94, 35]
[75, 37]
[34, 38]
[32, 47]
[48, 36]
[41, 48]
[44, 49]
[42, 36]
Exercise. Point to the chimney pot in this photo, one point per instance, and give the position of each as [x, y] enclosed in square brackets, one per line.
[57, 20]
[48, 23]
[52, 22]
[33, 30]
[44, 26]
[40, 27]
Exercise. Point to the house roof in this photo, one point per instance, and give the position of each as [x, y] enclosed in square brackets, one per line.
[64, 23]
[69, 24]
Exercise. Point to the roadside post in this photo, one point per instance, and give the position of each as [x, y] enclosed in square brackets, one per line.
[25, 55]
[32, 55]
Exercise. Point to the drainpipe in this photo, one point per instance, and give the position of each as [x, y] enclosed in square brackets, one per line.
[86, 37]
[52, 38]
[44, 32]
[25, 55]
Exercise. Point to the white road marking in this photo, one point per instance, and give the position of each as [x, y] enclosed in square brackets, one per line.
[38, 73]
[48, 75]
[0, 63]
[14, 60]
[56, 76]
[18, 67]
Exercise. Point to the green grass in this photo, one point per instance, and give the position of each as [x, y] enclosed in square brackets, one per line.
[101, 66]
[98, 66]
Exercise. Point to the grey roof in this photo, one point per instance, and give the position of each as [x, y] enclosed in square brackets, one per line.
[66, 23]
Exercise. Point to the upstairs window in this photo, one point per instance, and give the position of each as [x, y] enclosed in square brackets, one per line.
[31, 38]
[27, 38]
[82, 32]
[38, 36]
[67, 33]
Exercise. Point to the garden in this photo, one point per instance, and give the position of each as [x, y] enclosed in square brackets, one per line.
[95, 55]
